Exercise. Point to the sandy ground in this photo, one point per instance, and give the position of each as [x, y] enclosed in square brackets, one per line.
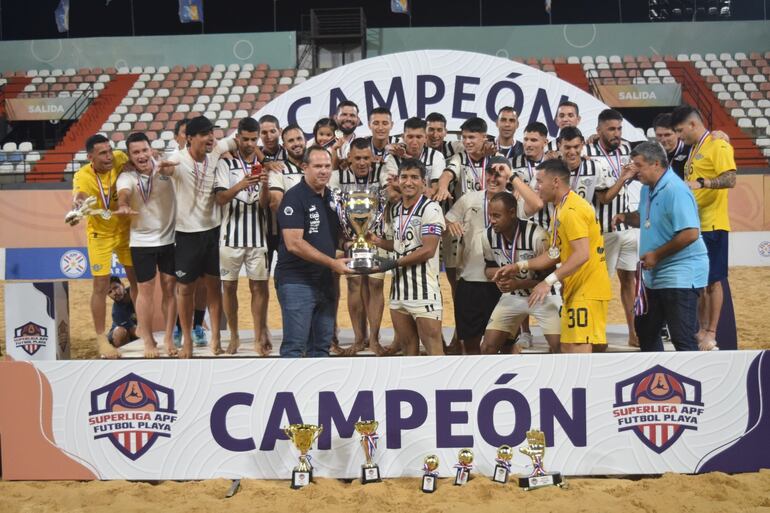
[668, 493]
[753, 321]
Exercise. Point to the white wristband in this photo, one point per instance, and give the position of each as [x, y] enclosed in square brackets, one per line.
[523, 265]
[551, 279]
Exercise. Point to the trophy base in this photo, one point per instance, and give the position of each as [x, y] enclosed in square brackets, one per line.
[462, 477]
[300, 479]
[428, 484]
[500, 475]
[364, 264]
[534, 482]
[370, 474]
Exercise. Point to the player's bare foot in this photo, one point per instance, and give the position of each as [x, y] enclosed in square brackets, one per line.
[391, 350]
[233, 346]
[186, 352]
[171, 350]
[376, 348]
[335, 347]
[708, 342]
[216, 347]
[353, 350]
[106, 350]
[633, 340]
[263, 349]
[151, 349]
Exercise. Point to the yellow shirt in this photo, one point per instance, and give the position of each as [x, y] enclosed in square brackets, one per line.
[576, 219]
[87, 182]
[713, 158]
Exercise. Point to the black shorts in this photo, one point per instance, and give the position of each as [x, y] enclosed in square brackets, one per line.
[196, 254]
[716, 245]
[474, 303]
[148, 259]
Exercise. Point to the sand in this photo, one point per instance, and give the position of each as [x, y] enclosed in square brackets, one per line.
[714, 492]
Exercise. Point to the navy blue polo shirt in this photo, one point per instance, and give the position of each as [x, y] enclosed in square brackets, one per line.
[303, 208]
[123, 313]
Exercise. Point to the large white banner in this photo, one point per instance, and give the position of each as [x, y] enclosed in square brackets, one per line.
[602, 414]
[457, 84]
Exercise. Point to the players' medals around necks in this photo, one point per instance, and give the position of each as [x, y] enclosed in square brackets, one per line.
[479, 177]
[199, 176]
[553, 251]
[615, 164]
[106, 213]
[402, 226]
[145, 191]
[510, 252]
[694, 152]
[247, 169]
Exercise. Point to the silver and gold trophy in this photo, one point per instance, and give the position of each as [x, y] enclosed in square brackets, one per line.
[360, 208]
[302, 436]
[370, 472]
[538, 478]
[464, 466]
[503, 466]
[430, 473]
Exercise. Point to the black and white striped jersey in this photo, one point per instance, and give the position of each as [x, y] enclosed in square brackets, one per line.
[244, 223]
[531, 241]
[419, 282]
[615, 160]
[526, 170]
[433, 159]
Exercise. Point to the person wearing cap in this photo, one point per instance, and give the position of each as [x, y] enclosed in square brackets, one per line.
[198, 218]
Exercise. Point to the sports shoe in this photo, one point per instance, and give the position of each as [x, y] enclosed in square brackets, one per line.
[525, 340]
[199, 336]
[177, 334]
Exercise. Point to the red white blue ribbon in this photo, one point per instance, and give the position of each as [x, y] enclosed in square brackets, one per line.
[371, 443]
[429, 472]
[640, 298]
[105, 199]
[200, 176]
[464, 468]
[402, 226]
[511, 253]
[504, 463]
[616, 167]
[145, 192]
[537, 467]
[478, 177]
[246, 171]
[694, 151]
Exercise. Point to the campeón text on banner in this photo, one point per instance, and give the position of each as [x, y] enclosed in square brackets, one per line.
[602, 414]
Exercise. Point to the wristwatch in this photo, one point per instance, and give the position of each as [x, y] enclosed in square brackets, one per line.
[702, 182]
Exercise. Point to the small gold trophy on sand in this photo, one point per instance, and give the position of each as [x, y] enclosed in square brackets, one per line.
[303, 436]
[538, 478]
[430, 473]
[503, 467]
[370, 472]
[464, 466]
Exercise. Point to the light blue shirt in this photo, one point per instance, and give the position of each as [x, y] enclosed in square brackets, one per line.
[664, 212]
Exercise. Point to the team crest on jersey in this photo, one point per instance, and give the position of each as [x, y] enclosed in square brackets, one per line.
[30, 337]
[132, 413]
[658, 405]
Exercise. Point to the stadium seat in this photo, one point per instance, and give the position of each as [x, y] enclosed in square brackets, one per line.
[25, 146]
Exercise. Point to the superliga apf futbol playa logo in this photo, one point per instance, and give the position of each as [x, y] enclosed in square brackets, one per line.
[658, 405]
[133, 413]
[30, 337]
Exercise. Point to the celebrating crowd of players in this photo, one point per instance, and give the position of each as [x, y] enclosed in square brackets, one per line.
[524, 229]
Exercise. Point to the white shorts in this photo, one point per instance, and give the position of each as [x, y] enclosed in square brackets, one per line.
[449, 246]
[511, 311]
[418, 309]
[232, 259]
[622, 250]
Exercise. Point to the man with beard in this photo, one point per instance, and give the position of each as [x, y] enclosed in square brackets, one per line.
[148, 197]
[245, 199]
[366, 300]
[576, 243]
[347, 120]
[468, 220]
[676, 150]
[620, 241]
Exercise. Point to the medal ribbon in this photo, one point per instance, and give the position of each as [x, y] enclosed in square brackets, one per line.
[401, 225]
[510, 255]
[577, 176]
[428, 472]
[105, 199]
[554, 222]
[616, 166]
[199, 177]
[694, 151]
[371, 443]
[476, 175]
[510, 149]
[640, 299]
[486, 212]
[531, 168]
[504, 463]
[246, 171]
[464, 467]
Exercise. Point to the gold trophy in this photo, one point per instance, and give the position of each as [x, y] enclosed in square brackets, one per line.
[464, 466]
[503, 467]
[303, 436]
[430, 473]
[538, 478]
[360, 210]
[370, 472]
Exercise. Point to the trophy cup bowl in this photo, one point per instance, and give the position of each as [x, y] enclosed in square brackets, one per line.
[538, 478]
[302, 436]
[429, 466]
[360, 209]
[370, 472]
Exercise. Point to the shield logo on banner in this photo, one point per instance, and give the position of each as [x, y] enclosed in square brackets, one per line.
[30, 337]
[126, 405]
[658, 388]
